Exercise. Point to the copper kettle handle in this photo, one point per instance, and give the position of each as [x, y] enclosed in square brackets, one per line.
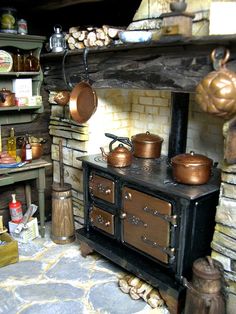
[2, 97]
[124, 140]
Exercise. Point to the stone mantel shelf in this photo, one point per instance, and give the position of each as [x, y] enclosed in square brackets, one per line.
[173, 63]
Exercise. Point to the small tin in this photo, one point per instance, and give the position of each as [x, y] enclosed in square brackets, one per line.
[22, 27]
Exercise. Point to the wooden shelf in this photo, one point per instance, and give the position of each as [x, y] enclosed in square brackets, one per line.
[18, 74]
[19, 108]
[22, 114]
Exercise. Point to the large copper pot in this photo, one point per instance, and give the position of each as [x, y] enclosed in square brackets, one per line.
[147, 145]
[191, 168]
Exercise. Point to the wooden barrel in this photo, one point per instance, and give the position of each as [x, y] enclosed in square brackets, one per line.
[63, 228]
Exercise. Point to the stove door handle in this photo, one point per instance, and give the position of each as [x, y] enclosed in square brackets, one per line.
[168, 218]
[170, 251]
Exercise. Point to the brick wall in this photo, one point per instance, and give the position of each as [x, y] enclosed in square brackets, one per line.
[128, 112]
[124, 113]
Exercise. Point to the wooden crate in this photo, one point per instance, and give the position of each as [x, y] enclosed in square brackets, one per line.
[9, 251]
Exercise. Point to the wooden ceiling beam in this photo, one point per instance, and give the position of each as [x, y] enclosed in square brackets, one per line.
[55, 4]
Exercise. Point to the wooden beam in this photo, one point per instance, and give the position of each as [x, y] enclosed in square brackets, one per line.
[55, 4]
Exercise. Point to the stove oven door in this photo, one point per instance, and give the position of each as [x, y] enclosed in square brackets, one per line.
[146, 224]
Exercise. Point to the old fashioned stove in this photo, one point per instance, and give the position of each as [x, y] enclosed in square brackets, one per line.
[140, 219]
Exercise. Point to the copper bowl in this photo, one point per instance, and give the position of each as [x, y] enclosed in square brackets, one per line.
[37, 150]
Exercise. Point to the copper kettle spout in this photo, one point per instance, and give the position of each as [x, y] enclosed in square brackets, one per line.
[104, 154]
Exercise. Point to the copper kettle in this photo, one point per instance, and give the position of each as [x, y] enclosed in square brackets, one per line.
[7, 98]
[121, 156]
[118, 157]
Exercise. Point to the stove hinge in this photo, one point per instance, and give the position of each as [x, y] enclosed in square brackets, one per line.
[169, 218]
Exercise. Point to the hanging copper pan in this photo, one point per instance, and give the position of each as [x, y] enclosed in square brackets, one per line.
[83, 98]
[83, 102]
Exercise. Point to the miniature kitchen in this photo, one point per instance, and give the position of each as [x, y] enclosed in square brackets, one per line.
[117, 157]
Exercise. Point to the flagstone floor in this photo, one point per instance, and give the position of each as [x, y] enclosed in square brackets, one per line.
[51, 278]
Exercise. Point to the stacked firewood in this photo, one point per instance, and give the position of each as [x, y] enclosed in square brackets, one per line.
[139, 289]
[79, 38]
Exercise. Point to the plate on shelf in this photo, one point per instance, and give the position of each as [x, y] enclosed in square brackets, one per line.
[14, 165]
[135, 36]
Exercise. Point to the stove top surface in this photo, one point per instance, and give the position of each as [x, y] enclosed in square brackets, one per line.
[156, 173]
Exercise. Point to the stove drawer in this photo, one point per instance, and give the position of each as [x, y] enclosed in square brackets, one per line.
[147, 223]
[102, 188]
[102, 220]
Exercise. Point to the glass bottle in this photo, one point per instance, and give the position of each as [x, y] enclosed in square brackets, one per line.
[26, 150]
[32, 63]
[11, 144]
[18, 61]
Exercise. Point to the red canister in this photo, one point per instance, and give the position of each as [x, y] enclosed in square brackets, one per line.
[15, 210]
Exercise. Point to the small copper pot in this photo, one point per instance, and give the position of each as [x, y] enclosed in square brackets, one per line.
[62, 98]
[7, 98]
[191, 168]
[147, 145]
[37, 150]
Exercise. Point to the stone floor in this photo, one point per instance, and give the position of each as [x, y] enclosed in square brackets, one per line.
[51, 278]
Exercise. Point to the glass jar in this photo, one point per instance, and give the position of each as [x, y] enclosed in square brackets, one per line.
[8, 20]
[32, 63]
[18, 61]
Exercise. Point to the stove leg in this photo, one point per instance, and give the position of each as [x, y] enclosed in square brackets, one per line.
[174, 304]
[85, 249]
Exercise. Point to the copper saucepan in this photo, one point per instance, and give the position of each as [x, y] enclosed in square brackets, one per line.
[191, 168]
[147, 145]
[83, 98]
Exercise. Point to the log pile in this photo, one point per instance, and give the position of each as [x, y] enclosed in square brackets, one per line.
[139, 289]
[79, 38]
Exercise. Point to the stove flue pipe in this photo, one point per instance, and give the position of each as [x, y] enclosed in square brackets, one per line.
[179, 124]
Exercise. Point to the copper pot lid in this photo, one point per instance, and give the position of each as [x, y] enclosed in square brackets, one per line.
[207, 268]
[147, 138]
[83, 102]
[192, 159]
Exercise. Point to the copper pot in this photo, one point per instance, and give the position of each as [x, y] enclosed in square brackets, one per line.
[147, 145]
[37, 150]
[62, 98]
[7, 98]
[119, 157]
[191, 168]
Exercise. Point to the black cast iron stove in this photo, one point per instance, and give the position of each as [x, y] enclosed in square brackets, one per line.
[139, 218]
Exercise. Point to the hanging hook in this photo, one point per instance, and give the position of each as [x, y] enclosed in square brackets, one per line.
[85, 56]
[219, 57]
[68, 84]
